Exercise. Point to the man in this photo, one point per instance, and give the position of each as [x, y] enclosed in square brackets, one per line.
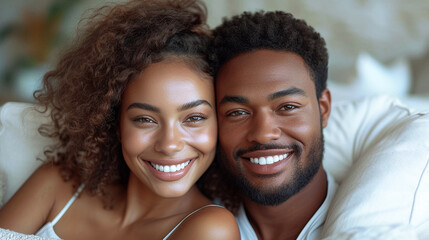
[272, 104]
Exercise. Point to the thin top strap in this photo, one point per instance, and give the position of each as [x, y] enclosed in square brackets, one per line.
[69, 203]
[171, 232]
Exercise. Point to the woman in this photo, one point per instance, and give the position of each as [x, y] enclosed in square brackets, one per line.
[132, 106]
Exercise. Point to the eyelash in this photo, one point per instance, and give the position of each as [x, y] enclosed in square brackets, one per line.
[288, 107]
[236, 113]
[191, 119]
[143, 120]
[239, 113]
[200, 118]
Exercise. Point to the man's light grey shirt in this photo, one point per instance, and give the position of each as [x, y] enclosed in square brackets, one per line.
[311, 231]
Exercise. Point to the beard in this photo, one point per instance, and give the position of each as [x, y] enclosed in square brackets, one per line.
[272, 196]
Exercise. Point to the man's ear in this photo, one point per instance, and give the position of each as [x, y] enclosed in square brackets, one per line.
[325, 106]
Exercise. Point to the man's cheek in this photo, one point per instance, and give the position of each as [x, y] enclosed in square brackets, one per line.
[226, 154]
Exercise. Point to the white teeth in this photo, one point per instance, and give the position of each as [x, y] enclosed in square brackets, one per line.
[276, 158]
[170, 168]
[268, 160]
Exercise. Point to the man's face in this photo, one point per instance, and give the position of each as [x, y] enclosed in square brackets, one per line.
[270, 124]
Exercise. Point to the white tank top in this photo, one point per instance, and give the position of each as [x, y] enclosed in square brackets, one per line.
[47, 231]
[171, 232]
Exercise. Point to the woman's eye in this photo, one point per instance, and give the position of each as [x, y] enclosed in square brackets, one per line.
[194, 119]
[143, 120]
[236, 113]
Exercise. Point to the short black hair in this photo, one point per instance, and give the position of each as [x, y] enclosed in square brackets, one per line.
[275, 31]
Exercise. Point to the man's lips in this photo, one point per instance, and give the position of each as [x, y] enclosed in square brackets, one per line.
[267, 157]
[268, 160]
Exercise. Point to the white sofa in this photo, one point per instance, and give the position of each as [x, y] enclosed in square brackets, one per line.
[376, 149]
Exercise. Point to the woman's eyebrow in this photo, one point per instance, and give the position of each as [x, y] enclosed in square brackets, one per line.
[144, 106]
[193, 104]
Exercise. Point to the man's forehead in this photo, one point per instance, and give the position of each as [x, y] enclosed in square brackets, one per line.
[256, 69]
[258, 56]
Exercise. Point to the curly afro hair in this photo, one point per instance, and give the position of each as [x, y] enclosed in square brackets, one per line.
[83, 92]
[276, 31]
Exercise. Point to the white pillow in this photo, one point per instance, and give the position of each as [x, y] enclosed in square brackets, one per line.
[386, 149]
[353, 126]
[20, 144]
[374, 138]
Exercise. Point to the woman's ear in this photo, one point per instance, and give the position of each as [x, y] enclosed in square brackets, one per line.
[325, 106]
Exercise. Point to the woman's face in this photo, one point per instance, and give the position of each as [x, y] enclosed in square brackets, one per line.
[168, 127]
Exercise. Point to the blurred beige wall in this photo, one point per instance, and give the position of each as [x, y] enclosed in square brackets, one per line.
[388, 30]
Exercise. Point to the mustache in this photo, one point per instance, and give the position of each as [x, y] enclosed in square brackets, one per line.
[297, 149]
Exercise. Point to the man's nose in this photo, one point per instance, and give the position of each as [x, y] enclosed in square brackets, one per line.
[263, 128]
[170, 140]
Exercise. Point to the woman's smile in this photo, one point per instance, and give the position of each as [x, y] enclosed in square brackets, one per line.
[170, 172]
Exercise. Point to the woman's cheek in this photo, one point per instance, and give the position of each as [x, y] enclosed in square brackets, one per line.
[205, 139]
[134, 141]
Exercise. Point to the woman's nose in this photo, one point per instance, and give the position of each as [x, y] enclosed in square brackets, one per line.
[170, 140]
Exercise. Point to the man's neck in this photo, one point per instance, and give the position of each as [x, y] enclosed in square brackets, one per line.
[286, 221]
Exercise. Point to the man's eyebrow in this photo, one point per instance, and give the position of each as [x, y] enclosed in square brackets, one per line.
[286, 92]
[193, 104]
[233, 99]
[144, 106]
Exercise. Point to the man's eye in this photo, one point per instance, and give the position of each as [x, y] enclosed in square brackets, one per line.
[194, 119]
[236, 113]
[288, 107]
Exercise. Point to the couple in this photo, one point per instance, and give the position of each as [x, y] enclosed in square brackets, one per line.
[135, 111]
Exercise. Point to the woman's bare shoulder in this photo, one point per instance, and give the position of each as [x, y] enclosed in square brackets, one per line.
[211, 222]
[47, 179]
[47, 171]
[31, 205]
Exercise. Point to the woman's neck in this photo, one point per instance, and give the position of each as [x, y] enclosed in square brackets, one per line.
[142, 203]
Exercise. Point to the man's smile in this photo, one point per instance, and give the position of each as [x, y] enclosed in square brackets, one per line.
[267, 161]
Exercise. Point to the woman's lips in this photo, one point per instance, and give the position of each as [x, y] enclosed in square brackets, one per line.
[170, 172]
[170, 168]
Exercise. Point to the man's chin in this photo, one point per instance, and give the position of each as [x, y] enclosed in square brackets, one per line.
[264, 196]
